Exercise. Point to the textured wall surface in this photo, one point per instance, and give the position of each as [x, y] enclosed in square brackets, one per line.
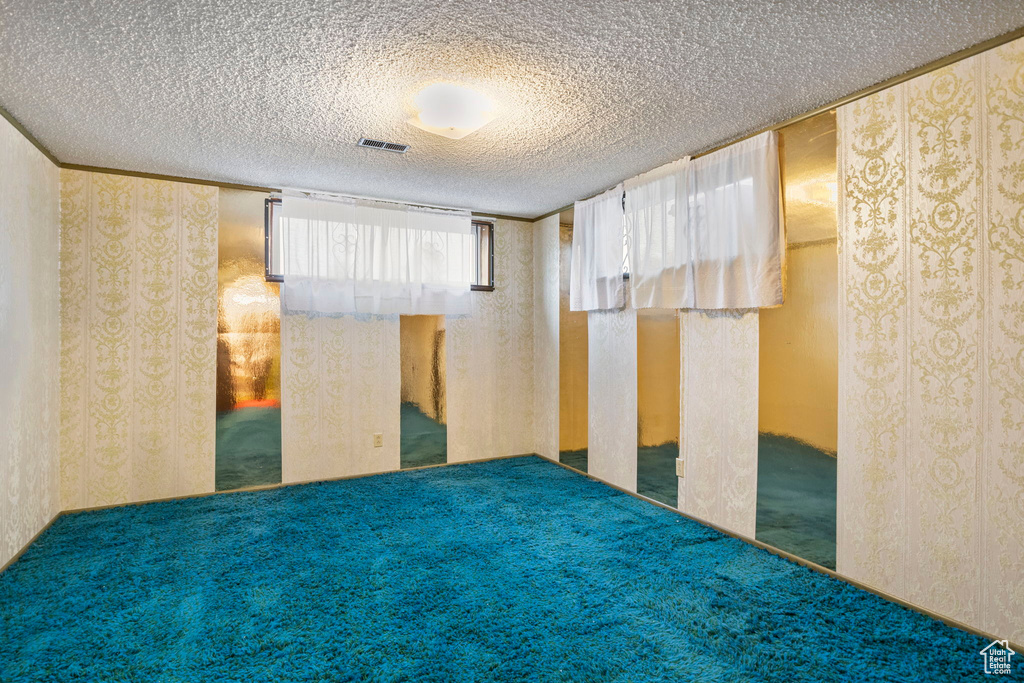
[723, 69]
[340, 384]
[719, 418]
[29, 341]
[342, 377]
[931, 432]
[546, 395]
[490, 357]
[612, 398]
[138, 279]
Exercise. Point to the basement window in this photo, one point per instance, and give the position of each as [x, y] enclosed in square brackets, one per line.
[483, 248]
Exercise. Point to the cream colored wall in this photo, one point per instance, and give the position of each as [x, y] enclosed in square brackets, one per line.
[547, 336]
[931, 385]
[419, 334]
[491, 357]
[611, 396]
[340, 385]
[138, 275]
[29, 341]
[799, 350]
[718, 431]
[657, 367]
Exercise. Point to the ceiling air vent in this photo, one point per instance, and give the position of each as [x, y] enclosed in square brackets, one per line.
[386, 146]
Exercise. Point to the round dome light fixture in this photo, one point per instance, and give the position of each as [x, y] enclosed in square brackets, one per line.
[451, 110]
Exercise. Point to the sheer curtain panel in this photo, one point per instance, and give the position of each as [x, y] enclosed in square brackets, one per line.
[357, 256]
[598, 254]
[708, 234]
[657, 225]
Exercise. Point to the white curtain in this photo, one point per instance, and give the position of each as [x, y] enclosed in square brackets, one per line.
[359, 256]
[595, 281]
[708, 233]
[659, 254]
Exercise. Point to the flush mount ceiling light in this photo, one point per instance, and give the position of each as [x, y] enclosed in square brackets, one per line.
[451, 110]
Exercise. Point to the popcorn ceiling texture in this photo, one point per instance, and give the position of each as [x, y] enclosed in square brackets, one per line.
[278, 93]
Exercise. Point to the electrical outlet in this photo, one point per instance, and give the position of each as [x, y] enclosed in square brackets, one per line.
[679, 467]
[378, 440]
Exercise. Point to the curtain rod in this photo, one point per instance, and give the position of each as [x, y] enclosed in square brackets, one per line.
[934, 65]
[479, 214]
[333, 195]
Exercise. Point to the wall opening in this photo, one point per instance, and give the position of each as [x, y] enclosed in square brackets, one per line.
[424, 435]
[572, 365]
[658, 408]
[799, 357]
[248, 451]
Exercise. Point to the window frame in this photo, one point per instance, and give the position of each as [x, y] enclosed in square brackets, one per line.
[477, 226]
[268, 246]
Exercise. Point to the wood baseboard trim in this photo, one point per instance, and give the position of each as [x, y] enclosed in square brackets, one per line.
[32, 540]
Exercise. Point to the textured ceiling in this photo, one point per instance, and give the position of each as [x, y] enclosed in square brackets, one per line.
[277, 92]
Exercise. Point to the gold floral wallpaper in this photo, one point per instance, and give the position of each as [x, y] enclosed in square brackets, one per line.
[29, 341]
[718, 430]
[931, 415]
[138, 292]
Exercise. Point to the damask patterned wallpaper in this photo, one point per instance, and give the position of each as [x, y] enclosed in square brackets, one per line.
[718, 430]
[545, 337]
[29, 341]
[611, 396]
[138, 338]
[341, 381]
[490, 357]
[931, 413]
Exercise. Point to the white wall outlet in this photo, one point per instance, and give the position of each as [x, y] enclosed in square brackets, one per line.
[679, 467]
[378, 440]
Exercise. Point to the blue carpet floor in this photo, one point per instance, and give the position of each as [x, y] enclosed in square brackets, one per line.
[511, 570]
[424, 441]
[796, 498]
[248, 448]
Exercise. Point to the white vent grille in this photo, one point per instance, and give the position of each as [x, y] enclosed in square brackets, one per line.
[386, 146]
